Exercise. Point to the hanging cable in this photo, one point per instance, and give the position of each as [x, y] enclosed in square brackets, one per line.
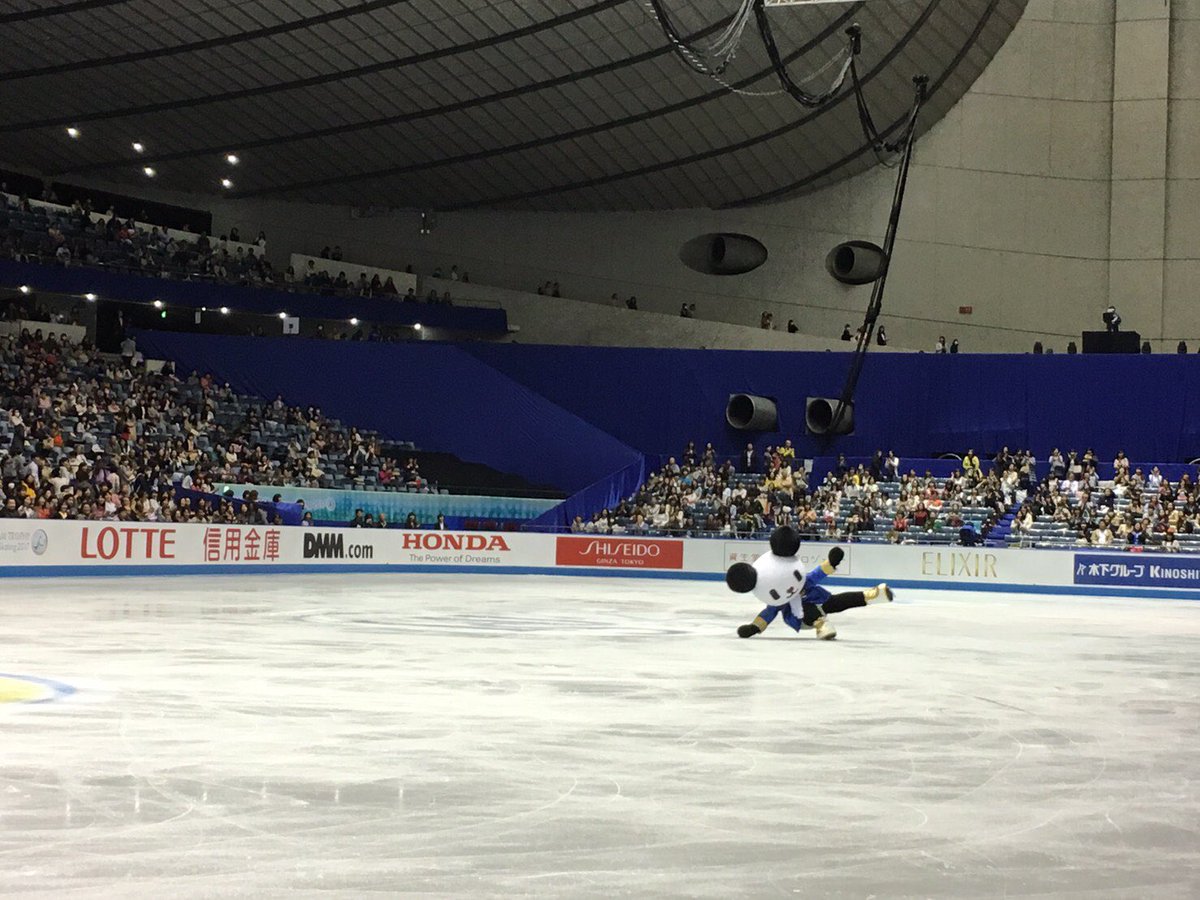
[885, 152]
[846, 401]
[711, 59]
[801, 96]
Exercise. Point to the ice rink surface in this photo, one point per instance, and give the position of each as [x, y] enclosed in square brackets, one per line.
[436, 735]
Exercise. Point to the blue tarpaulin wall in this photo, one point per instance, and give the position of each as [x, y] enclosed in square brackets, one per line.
[606, 493]
[921, 405]
[573, 416]
[435, 395]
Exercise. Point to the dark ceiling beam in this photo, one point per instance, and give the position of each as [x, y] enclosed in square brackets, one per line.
[812, 178]
[586, 131]
[62, 9]
[313, 81]
[712, 153]
[226, 40]
[397, 119]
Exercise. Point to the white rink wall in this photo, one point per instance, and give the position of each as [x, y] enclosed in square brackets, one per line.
[57, 548]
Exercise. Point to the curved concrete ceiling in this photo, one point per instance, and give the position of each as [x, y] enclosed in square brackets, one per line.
[453, 104]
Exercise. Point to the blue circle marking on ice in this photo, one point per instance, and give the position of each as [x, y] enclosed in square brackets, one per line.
[30, 689]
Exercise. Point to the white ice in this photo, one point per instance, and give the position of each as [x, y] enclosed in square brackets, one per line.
[349, 736]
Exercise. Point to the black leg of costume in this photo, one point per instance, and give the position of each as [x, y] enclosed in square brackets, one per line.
[848, 600]
[835, 604]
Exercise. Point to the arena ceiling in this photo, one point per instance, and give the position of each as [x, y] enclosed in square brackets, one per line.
[453, 104]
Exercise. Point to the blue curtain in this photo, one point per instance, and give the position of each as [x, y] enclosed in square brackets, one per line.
[434, 395]
[603, 494]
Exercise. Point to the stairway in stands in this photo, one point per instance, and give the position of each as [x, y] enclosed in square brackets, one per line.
[998, 536]
[458, 476]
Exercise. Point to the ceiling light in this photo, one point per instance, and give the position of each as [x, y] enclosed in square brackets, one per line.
[25, 289]
[158, 304]
[149, 170]
[232, 159]
[73, 133]
[354, 321]
[224, 310]
[90, 297]
[138, 147]
[226, 183]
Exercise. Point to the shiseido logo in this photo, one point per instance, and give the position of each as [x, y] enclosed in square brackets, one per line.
[622, 548]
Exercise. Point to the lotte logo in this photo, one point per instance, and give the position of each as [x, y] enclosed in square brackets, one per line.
[127, 542]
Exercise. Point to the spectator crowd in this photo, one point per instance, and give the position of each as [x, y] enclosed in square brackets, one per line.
[75, 235]
[1072, 505]
[87, 436]
[693, 495]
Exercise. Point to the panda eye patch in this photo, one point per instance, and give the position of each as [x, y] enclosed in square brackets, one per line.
[798, 574]
[774, 595]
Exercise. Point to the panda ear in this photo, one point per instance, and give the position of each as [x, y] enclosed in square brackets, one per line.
[741, 578]
[785, 541]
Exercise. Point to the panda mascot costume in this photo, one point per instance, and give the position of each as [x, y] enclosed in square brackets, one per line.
[776, 579]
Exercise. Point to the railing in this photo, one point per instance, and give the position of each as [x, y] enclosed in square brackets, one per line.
[190, 237]
[267, 299]
[75, 334]
[332, 267]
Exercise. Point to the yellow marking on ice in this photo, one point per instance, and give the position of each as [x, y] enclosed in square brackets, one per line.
[15, 690]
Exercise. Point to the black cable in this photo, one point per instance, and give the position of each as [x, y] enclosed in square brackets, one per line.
[801, 96]
[865, 119]
[683, 48]
[921, 83]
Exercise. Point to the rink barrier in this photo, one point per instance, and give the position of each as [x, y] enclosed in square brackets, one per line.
[36, 548]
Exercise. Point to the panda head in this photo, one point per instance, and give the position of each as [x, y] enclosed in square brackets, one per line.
[774, 578]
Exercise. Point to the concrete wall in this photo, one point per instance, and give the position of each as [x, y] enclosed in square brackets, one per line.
[1068, 175]
[561, 320]
[1181, 258]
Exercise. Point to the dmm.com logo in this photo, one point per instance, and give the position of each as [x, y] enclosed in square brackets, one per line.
[334, 546]
[629, 553]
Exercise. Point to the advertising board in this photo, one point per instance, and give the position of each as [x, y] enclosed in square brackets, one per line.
[51, 547]
[619, 551]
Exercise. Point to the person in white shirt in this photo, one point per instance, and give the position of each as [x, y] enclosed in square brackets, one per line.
[1154, 482]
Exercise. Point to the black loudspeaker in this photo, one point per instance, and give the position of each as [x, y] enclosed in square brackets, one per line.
[723, 254]
[819, 413]
[855, 262]
[1111, 342]
[748, 412]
